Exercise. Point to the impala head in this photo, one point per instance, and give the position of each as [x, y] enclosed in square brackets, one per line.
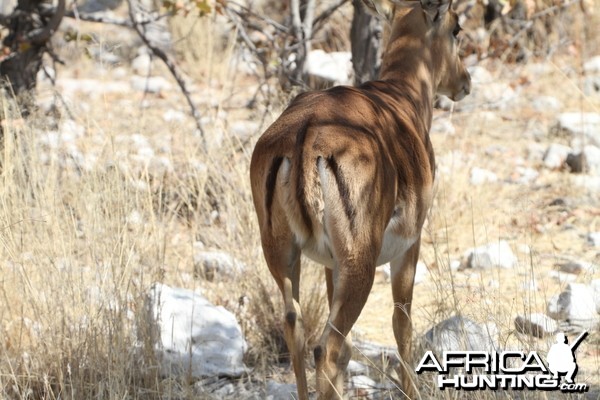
[453, 78]
[426, 24]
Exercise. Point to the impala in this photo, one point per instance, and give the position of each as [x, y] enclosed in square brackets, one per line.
[345, 176]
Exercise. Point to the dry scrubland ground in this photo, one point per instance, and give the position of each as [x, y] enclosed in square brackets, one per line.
[92, 217]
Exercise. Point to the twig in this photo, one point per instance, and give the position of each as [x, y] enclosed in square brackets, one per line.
[172, 68]
[103, 19]
[249, 12]
[320, 20]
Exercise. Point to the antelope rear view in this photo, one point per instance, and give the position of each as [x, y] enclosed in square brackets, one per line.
[345, 176]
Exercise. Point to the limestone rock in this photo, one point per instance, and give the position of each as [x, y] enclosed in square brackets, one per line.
[536, 324]
[556, 156]
[576, 305]
[210, 264]
[458, 333]
[197, 338]
[497, 254]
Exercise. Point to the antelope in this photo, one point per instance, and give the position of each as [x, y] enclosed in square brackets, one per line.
[345, 176]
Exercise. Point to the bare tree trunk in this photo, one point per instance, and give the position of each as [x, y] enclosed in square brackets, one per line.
[303, 15]
[365, 34]
[30, 29]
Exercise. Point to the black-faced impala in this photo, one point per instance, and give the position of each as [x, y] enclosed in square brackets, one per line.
[345, 176]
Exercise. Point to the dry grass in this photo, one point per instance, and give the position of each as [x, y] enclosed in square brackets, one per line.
[82, 241]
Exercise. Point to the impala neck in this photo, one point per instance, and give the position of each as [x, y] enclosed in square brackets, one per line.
[407, 63]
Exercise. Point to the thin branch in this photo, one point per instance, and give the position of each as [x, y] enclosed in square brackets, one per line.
[103, 19]
[171, 66]
[248, 11]
[320, 20]
[241, 31]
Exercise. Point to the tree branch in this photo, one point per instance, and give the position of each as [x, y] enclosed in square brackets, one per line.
[320, 20]
[137, 26]
[103, 19]
[42, 35]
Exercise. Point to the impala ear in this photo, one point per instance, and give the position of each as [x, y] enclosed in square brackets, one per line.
[435, 9]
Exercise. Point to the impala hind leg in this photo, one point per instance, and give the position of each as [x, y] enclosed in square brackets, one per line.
[284, 263]
[403, 276]
[351, 286]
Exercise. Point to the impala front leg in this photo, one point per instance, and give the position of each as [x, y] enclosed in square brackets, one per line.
[403, 276]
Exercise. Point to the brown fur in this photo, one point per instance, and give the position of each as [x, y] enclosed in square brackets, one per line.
[343, 169]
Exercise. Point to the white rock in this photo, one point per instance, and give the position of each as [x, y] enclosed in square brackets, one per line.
[455, 265]
[592, 159]
[480, 75]
[144, 155]
[421, 273]
[592, 65]
[442, 126]
[281, 391]
[480, 176]
[594, 239]
[494, 284]
[134, 218]
[524, 249]
[556, 156]
[142, 64]
[578, 123]
[335, 67]
[536, 151]
[546, 103]
[197, 338]
[376, 352]
[104, 57]
[364, 385]
[92, 87]
[525, 175]
[386, 271]
[7, 7]
[150, 84]
[160, 166]
[562, 277]
[458, 333]
[536, 324]
[587, 182]
[576, 305]
[591, 85]
[497, 254]
[174, 116]
[243, 130]
[71, 129]
[530, 285]
[595, 285]
[356, 368]
[487, 91]
[216, 263]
